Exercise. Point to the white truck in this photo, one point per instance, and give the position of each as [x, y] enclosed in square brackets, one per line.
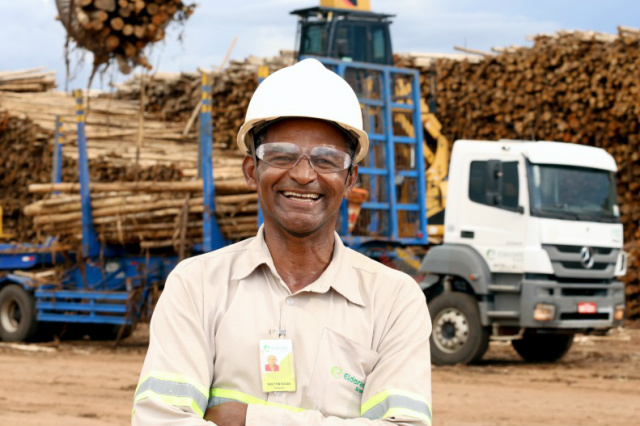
[531, 251]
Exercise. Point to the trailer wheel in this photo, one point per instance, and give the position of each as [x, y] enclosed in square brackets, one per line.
[458, 336]
[543, 347]
[17, 314]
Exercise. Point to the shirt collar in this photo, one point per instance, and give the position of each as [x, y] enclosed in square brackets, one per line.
[256, 254]
[339, 275]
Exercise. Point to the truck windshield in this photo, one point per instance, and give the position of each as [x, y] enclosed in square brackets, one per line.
[314, 39]
[574, 193]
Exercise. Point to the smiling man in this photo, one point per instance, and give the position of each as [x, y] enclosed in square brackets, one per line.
[351, 335]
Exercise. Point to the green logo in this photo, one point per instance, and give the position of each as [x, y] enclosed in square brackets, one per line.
[336, 372]
[266, 348]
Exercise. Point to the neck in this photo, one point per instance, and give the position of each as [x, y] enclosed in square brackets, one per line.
[299, 260]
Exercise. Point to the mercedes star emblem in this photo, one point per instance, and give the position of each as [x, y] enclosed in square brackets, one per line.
[586, 257]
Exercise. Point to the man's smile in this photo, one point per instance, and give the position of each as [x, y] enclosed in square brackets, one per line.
[301, 196]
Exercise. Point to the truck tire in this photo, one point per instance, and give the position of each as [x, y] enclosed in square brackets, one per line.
[458, 336]
[17, 314]
[543, 347]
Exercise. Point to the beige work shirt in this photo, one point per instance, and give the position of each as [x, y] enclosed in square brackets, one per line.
[360, 337]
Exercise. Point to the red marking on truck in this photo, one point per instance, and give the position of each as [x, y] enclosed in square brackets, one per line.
[587, 308]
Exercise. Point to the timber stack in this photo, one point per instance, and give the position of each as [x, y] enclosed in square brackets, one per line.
[120, 29]
[136, 156]
[174, 96]
[572, 86]
[31, 80]
[127, 143]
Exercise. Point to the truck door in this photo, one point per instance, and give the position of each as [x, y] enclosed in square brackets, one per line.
[492, 218]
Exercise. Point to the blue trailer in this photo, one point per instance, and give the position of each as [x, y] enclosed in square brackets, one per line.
[104, 286]
[107, 286]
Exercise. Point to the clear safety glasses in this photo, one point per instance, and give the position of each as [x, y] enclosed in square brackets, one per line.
[285, 155]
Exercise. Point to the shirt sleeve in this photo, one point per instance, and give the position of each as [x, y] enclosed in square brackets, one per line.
[398, 390]
[177, 372]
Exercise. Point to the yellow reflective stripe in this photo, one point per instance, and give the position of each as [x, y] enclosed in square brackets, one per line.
[394, 402]
[172, 389]
[248, 399]
[378, 398]
[405, 412]
[180, 401]
[174, 377]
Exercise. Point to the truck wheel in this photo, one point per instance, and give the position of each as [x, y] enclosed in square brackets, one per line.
[17, 314]
[543, 347]
[458, 336]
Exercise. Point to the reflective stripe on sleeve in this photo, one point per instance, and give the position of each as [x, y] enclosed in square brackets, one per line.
[173, 389]
[396, 402]
[220, 396]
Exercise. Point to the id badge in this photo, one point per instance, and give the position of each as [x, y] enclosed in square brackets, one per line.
[276, 365]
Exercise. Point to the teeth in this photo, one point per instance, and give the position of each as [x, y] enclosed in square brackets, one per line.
[298, 195]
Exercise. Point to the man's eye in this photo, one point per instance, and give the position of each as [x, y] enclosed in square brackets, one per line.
[328, 161]
[281, 158]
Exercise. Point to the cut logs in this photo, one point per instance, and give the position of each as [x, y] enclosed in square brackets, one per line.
[30, 80]
[120, 30]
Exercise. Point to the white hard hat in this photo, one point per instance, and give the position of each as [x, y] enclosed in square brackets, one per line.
[306, 89]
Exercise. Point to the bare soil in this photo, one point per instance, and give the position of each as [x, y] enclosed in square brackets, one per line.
[87, 383]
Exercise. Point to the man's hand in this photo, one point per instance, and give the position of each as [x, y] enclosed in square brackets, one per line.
[227, 414]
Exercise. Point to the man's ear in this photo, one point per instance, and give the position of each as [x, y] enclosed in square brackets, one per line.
[351, 180]
[250, 172]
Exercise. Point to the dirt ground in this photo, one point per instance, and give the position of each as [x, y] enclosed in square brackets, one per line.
[85, 383]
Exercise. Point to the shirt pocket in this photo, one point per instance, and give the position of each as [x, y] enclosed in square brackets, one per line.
[339, 375]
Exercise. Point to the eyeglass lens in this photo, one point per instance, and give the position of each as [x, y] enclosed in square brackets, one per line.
[285, 155]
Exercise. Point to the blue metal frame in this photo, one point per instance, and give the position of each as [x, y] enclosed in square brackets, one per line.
[56, 170]
[389, 140]
[107, 298]
[212, 237]
[90, 244]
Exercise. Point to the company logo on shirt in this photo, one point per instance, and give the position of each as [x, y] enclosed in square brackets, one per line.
[338, 372]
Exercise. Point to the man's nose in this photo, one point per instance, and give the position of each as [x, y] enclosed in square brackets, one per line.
[303, 172]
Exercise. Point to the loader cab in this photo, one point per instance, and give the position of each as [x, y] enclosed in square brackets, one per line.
[348, 35]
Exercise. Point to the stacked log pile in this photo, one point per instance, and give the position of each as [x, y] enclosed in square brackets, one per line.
[120, 29]
[25, 159]
[168, 96]
[579, 87]
[175, 95]
[151, 214]
[30, 80]
[121, 147]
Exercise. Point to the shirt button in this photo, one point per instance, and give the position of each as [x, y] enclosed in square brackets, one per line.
[277, 393]
[290, 301]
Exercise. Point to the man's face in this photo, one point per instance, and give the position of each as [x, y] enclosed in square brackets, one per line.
[300, 200]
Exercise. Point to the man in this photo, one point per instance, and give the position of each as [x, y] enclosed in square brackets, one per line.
[352, 335]
[272, 364]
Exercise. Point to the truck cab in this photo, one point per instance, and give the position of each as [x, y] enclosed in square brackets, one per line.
[532, 246]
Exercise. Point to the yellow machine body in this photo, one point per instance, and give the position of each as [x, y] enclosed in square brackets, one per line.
[347, 4]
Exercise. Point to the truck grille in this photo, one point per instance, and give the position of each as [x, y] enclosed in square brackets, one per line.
[567, 262]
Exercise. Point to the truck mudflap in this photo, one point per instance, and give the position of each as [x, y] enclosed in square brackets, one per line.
[575, 306]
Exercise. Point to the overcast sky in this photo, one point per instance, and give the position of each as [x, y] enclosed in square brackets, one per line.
[31, 37]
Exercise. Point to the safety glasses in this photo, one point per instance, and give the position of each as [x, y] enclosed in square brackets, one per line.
[285, 155]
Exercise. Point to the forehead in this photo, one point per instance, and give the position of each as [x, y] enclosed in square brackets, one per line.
[306, 132]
